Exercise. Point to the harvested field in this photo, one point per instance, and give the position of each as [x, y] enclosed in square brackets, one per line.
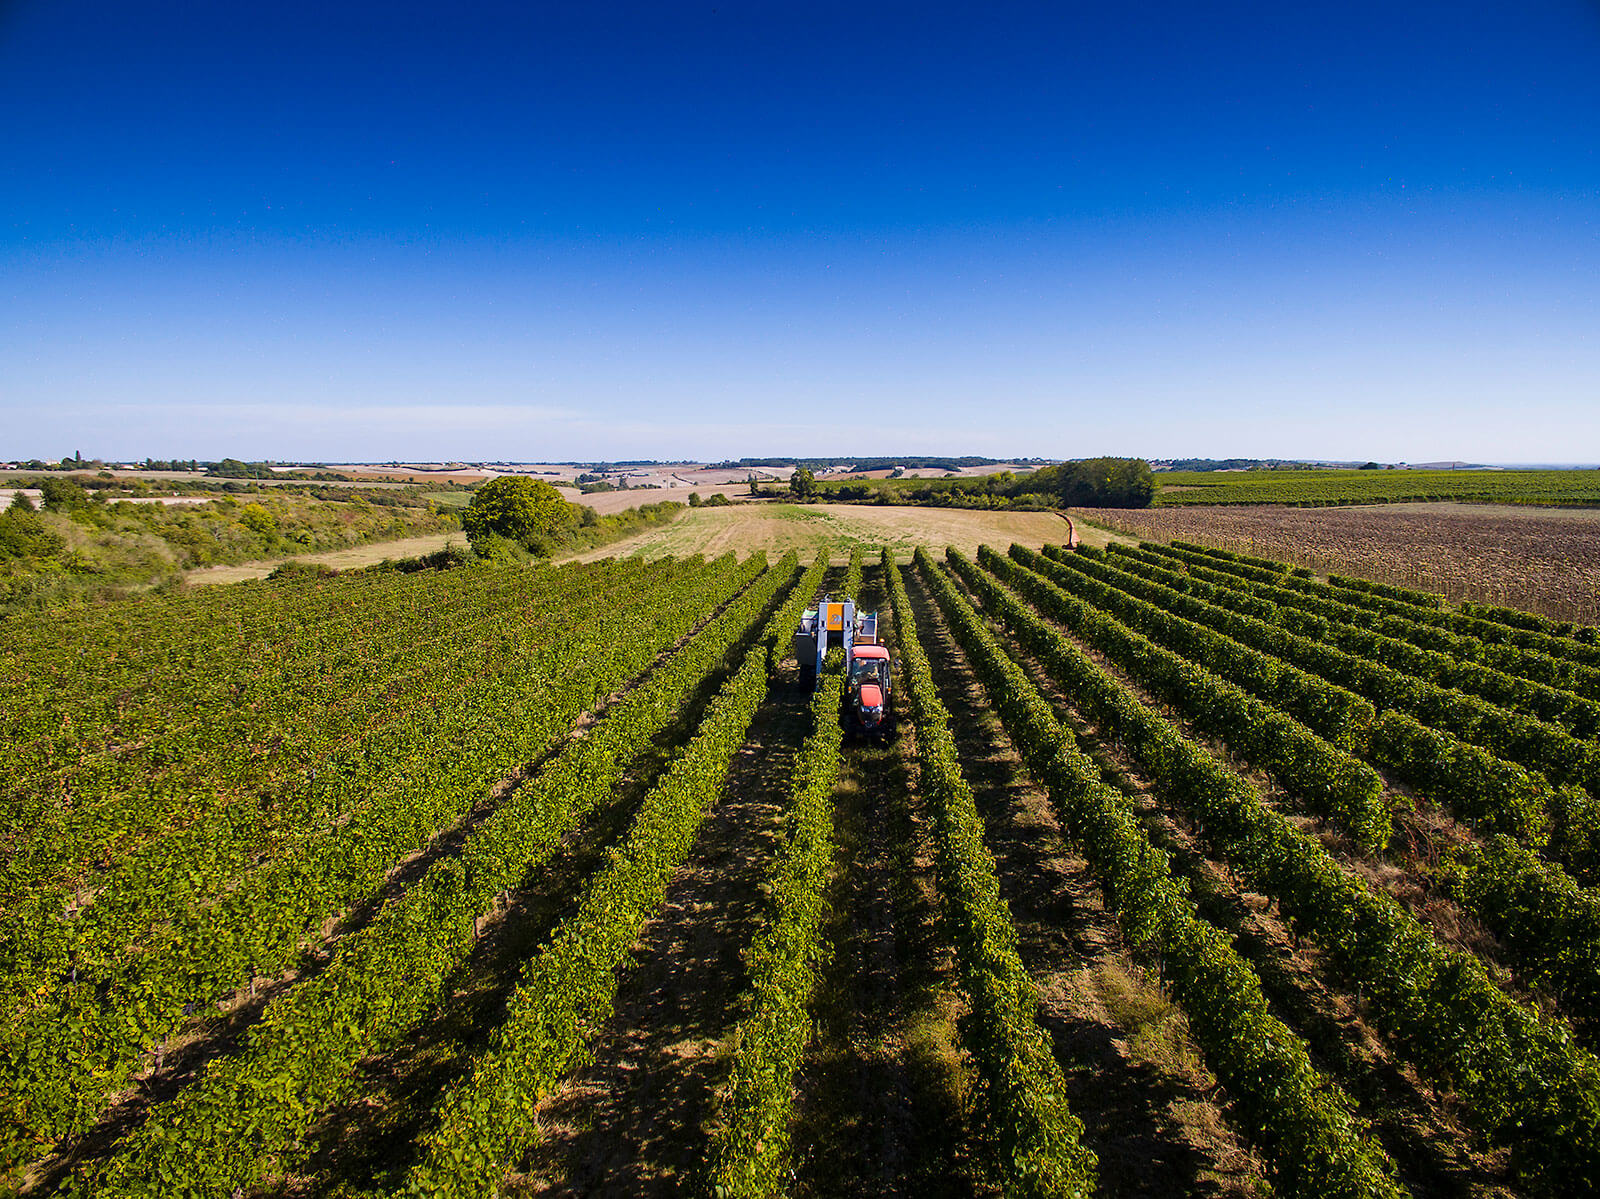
[608, 502]
[777, 528]
[1542, 560]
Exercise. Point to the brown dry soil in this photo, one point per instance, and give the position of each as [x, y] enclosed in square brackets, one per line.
[1421, 1128]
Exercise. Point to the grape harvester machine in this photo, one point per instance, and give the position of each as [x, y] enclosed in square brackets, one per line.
[867, 666]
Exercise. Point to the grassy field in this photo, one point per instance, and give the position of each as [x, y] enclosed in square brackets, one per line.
[777, 528]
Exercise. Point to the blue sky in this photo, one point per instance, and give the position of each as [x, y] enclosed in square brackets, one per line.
[330, 231]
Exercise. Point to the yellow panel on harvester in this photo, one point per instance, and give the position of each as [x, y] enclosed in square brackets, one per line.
[833, 618]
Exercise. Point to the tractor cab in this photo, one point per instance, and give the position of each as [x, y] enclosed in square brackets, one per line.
[868, 688]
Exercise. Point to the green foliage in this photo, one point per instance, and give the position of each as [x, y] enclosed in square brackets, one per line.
[62, 494]
[233, 468]
[1105, 483]
[384, 976]
[1522, 1080]
[23, 535]
[394, 784]
[568, 987]
[1099, 482]
[1314, 1145]
[749, 1150]
[1549, 924]
[1331, 781]
[802, 484]
[524, 510]
[1549, 659]
[501, 551]
[595, 529]
[453, 555]
[259, 521]
[1507, 676]
[111, 548]
[1023, 1094]
[295, 569]
[1167, 617]
[1447, 762]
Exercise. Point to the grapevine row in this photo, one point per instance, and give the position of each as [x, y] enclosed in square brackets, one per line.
[1549, 926]
[61, 1056]
[221, 664]
[1533, 743]
[1332, 782]
[1487, 792]
[1024, 1091]
[384, 978]
[1561, 955]
[1434, 654]
[1525, 1082]
[1303, 1122]
[749, 1151]
[1447, 632]
[229, 819]
[568, 989]
[1488, 631]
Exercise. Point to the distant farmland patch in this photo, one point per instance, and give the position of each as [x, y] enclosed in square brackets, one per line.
[1319, 488]
[777, 528]
[1539, 559]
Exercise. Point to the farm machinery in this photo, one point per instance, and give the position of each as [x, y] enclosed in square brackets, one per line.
[868, 670]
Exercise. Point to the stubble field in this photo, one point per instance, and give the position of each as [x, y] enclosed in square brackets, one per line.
[778, 528]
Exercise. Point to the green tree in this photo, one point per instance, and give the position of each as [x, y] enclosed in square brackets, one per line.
[232, 468]
[259, 521]
[803, 484]
[1107, 483]
[754, 488]
[527, 511]
[61, 494]
[21, 502]
[23, 535]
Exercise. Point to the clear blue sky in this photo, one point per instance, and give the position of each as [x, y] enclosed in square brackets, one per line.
[411, 231]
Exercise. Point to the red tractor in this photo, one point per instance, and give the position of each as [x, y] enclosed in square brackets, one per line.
[868, 671]
[867, 691]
